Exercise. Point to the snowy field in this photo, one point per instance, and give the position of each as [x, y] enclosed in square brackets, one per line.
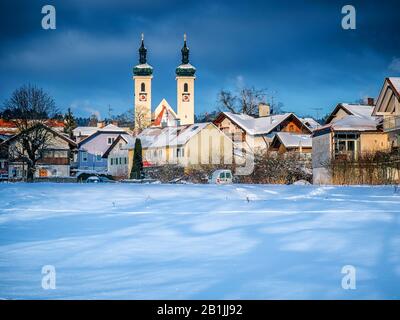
[198, 241]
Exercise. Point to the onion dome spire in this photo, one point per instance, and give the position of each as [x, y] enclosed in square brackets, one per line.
[142, 52]
[185, 51]
[143, 68]
[185, 69]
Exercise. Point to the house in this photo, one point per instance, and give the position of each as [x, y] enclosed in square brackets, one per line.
[350, 131]
[81, 133]
[55, 159]
[387, 108]
[117, 156]
[256, 134]
[92, 148]
[343, 110]
[288, 142]
[186, 145]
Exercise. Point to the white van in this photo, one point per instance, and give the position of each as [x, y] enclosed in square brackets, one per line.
[221, 177]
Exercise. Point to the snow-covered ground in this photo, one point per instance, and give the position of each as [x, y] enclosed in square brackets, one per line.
[198, 241]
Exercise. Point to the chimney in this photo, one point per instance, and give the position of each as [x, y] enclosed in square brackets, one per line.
[263, 110]
[100, 124]
[115, 123]
[371, 101]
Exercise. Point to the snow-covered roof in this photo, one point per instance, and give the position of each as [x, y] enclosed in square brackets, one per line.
[358, 109]
[293, 140]
[186, 66]
[111, 127]
[396, 83]
[310, 122]
[255, 126]
[128, 138]
[168, 136]
[177, 136]
[107, 129]
[144, 66]
[84, 131]
[353, 123]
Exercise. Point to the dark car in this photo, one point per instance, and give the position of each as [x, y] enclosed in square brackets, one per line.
[99, 179]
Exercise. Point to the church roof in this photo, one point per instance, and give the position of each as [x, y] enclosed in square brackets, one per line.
[163, 112]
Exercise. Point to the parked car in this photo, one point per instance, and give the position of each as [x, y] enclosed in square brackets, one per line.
[221, 177]
[99, 179]
[3, 176]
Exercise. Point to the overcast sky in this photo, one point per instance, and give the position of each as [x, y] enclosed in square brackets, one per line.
[296, 50]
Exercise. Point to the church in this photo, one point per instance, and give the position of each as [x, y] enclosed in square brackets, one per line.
[163, 115]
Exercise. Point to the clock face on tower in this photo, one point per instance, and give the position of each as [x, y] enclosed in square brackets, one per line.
[143, 97]
[185, 97]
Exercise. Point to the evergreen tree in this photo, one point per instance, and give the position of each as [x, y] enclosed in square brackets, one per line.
[137, 165]
[70, 123]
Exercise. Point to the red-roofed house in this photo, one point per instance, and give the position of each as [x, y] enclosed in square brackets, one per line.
[8, 127]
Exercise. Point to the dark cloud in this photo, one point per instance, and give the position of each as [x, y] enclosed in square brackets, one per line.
[296, 49]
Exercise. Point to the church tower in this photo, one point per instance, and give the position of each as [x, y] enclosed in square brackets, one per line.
[185, 87]
[142, 75]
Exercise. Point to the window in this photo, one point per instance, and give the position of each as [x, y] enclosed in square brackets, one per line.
[228, 175]
[143, 87]
[84, 156]
[222, 175]
[61, 154]
[185, 88]
[180, 152]
[110, 140]
[125, 160]
[346, 145]
[112, 161]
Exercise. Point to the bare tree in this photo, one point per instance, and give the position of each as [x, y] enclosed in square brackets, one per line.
[244, 100]
[141, 118]
[126, 118]
[93, 120]
[31, 109]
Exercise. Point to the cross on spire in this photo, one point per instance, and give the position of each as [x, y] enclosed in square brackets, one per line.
[142, 52]
[185, 51]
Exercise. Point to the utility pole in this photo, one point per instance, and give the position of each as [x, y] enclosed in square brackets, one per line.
[109, 112]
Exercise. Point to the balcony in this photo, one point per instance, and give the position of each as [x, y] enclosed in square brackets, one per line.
[391, 123]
